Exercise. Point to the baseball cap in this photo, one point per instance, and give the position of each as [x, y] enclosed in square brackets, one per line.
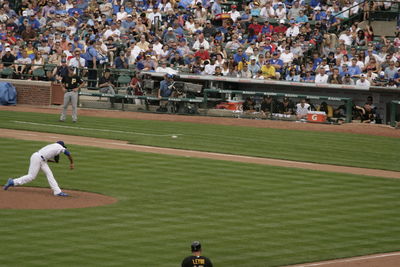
[252, 58]
[282, 21]
[61, 143]
[347, 75]
[363, 75]
[170, 29]
[196, 246]
[8, 49]
[233, 6]
[24, 13]
[317, 8]
[292, 21]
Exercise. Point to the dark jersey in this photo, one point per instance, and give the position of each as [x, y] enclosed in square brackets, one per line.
[196, 261]
[71, 82]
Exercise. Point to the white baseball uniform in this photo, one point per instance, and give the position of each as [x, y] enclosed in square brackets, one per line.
[39, 161]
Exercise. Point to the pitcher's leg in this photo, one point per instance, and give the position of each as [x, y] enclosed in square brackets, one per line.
[50, 178]
[34, 168]
[74, 102]
[65, 106]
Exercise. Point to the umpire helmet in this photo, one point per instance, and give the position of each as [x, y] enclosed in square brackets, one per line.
[196, 246]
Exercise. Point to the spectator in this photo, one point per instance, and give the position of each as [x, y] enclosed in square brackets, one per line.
[321, 77]
[391, 70]
[292, 76]
[8, 58]
[268, 71]
[22, 65]
[363, 81]
[308, 78]
[77, 61]
[202, 53]
[347, 80]
[335, 77]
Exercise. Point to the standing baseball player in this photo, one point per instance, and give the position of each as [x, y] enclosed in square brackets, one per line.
[71, 85]
[49, 153]
[196, 260]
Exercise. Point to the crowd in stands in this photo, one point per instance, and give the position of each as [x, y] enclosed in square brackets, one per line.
[290, 40]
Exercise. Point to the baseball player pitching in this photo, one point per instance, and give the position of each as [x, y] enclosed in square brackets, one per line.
[49, 153]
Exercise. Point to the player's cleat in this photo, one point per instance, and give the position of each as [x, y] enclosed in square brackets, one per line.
[62, 194]
[10, 182]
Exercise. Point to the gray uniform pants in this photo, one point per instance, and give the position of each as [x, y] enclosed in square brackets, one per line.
[107, 90]
[73, 98]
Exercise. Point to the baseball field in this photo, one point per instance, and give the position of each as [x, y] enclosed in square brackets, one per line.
[245, 214]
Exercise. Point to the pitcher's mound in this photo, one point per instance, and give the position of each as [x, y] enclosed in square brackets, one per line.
[43, 198]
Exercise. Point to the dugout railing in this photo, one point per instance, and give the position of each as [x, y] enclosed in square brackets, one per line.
[394, 115]
[125, 99]
[226, 94]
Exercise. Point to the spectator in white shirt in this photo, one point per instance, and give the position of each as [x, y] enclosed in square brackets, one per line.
[201, 42]
[287, 56]
[280, 12]
[363, 81]
[346, 37]
[113, 32]
[234, 13]
[293, 30]
[154, 14]
[321, 77]
[77, 61]
[209, 69]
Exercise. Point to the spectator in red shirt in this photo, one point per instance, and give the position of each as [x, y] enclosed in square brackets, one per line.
[255, 26]
[202, 53]
[281, 28]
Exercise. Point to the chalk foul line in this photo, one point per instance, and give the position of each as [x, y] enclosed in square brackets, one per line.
[95, 129]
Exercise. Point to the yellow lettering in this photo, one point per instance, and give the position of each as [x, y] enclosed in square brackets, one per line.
[198, 261]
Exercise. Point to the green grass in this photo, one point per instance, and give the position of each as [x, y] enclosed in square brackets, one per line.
[244, 214]
[321, 147]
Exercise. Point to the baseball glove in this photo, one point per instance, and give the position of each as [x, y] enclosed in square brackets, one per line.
[56, 158]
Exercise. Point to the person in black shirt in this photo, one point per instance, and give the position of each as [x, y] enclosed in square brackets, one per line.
[286, 107]
[71, 85]
[248, 105]
[8, 58]
[269, 105]
[196, 260]
[106, 83]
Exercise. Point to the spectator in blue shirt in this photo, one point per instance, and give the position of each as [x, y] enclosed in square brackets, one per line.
[276, 62]
[216, 8]
[354, 70]
[318, 15]
[240, 56]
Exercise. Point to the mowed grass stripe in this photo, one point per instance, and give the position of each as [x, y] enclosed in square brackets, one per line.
[322, 147]
[268, 215]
